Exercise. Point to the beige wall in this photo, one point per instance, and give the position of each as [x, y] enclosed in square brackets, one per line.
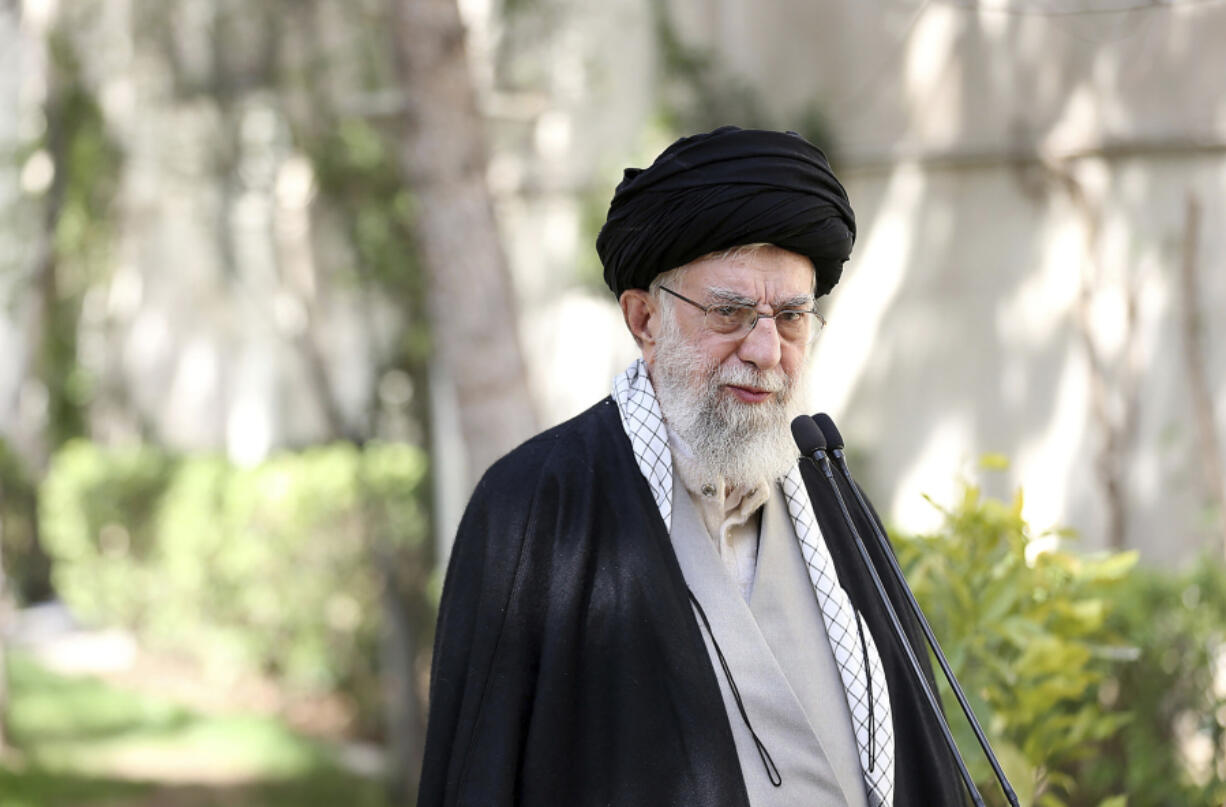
[1018, 179]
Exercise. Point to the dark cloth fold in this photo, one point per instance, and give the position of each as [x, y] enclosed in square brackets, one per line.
[723, 189]
[568, 666]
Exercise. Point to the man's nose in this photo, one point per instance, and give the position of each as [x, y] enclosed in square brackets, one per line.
[761, 346]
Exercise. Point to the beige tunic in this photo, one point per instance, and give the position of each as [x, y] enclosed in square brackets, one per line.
[775, 644]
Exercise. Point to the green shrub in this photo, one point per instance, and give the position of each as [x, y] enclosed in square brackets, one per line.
[1173, 752]
[1027, 634]
[277, 568]
[97, 512]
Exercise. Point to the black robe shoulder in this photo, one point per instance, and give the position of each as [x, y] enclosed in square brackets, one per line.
[568, 666]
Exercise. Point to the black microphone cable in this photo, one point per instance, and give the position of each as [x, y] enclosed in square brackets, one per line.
[772, 770]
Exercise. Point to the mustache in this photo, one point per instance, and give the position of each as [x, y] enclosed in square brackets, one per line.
[745, 376]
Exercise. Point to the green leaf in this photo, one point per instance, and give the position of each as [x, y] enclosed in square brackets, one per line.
[1113, 567]
[1018, 770]
[993, 462]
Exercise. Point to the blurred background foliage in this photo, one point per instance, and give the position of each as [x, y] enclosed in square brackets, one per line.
[272, 573]
[270, 568]
[1097, 682]
[297, 575]
[78, 736]
[1172, 749]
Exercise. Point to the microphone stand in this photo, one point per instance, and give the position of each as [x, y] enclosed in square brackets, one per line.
[834, 442]
[813, 447]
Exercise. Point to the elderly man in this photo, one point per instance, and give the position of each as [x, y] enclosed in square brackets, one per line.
[650, 604]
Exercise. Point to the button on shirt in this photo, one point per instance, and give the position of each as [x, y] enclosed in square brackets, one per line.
[732, 515]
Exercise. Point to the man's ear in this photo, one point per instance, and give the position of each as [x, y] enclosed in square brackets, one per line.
[642, 316]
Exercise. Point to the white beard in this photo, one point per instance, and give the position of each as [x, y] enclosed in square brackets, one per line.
[741, 443]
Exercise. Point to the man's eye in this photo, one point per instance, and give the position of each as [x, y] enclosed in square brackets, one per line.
[726, 310]
[789, 316]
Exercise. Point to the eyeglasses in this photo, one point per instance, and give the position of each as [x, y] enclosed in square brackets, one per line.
[728, 319]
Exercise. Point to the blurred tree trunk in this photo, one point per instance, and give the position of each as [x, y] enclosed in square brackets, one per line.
[1196, 364]
[4, 620]
[400, 645]
[10, 19]
[52, 332]
[1114, 383]
[471, 302]
[472, 307]
[54, 329]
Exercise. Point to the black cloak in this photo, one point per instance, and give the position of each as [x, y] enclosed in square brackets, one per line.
[569, 670]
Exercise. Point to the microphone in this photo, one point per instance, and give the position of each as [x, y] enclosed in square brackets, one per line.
[809, 438]
[813, 444]
[832, 440]
[830, 432]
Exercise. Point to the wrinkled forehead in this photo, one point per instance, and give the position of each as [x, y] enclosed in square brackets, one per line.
[749, 275]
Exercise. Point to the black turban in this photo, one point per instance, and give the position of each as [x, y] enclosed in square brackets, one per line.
[724, 189]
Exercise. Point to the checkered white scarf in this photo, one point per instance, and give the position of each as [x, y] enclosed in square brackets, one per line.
[644, 425]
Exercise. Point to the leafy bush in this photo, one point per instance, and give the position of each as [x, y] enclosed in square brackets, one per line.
[98, 516]
[1173, 752]
[1027, 634]
[276, 567]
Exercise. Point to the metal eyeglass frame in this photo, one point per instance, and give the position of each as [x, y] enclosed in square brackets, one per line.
[706, 310]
